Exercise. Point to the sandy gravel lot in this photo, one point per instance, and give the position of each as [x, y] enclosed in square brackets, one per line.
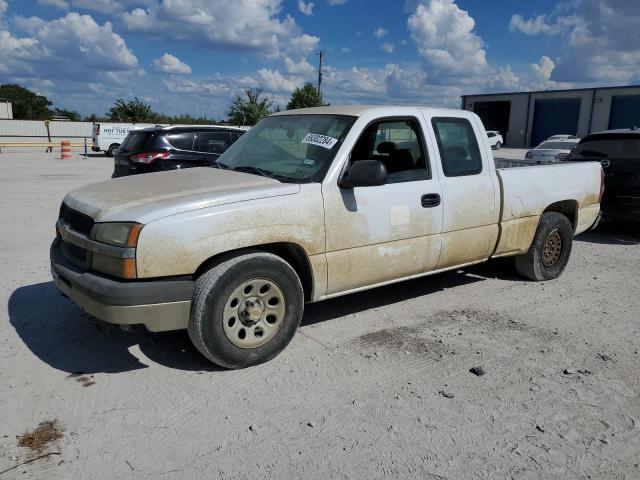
[375, 385]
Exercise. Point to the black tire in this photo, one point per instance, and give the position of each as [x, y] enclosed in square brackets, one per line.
[537, 266]
[210, 298]
[498, 146]
[112, 150]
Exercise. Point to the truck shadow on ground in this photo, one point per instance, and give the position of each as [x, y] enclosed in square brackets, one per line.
[613, 233]
[60, 334]
[407, 290]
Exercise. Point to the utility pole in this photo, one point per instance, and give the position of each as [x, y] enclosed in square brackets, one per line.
[321, 54]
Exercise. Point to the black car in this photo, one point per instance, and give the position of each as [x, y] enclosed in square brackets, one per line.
[156, 149]
[619, 153]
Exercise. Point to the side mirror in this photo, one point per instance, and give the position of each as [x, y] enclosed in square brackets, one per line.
[365, 173]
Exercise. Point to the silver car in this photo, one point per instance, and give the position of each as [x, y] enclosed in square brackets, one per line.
[551, 151]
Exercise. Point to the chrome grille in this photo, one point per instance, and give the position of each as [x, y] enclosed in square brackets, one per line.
[79, 222]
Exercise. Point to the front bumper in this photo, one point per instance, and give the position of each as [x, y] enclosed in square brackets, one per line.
[159, 305]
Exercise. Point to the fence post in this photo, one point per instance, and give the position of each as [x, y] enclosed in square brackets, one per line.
[49, 148]
[85, 148]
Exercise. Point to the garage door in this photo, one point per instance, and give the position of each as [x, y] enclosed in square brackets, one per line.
[625, 111]
[494, 115]
[554, 117]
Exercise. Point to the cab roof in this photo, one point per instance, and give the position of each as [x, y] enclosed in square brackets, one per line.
[353, 110]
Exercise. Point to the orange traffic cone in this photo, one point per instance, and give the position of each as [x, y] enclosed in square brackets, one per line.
[65, 150]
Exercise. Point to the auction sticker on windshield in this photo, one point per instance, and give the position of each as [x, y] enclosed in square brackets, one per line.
[320, 140]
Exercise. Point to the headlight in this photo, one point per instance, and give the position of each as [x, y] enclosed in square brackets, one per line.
[118, 234]
[123, 235]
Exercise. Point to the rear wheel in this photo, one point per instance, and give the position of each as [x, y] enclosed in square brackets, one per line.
[498, 146]
[550, 250]
[246, 310]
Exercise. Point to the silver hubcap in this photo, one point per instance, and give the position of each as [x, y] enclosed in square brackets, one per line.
[253, 313]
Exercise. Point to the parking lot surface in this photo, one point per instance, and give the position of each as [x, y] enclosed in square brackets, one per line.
[375, 385]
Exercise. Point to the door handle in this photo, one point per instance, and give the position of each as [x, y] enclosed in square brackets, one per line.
[430, 200]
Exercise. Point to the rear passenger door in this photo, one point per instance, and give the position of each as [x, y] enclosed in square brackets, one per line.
[182, 147]
[470, 190]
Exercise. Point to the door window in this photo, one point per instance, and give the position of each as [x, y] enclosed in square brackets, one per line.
[397, 143]
[458, 146]
[213, 142]
[181, 141]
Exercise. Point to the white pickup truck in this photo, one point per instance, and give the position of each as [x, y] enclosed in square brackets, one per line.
[308, 205]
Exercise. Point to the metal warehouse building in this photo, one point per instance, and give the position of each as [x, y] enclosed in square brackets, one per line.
[527, 118]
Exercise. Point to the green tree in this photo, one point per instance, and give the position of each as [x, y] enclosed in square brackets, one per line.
[304, 97]
[249, 110]
[26, 104]
[132, 111]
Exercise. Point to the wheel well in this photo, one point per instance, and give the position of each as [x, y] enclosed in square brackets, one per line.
[291, 253]
[568, 208]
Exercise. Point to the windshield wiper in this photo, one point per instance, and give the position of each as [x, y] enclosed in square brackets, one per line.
[260, 171]
[220, 165]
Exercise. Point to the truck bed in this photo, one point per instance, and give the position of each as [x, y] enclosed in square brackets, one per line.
[528, 190]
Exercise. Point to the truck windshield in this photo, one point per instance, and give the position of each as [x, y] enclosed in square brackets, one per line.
[290, 148]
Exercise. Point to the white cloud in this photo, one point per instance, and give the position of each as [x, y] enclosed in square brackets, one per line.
[3, 7]
[101, 6]
[445, 39]
[345, 50]
[596, 39]
[112, 7]
[275, 82]
[72, 43]
[62, 4]
[336, 2]
[380, 32]
[168, 63]
[302, 66]
[542, 24]
[241, 25]
[305, 8]
[543, 69]
[388, 47]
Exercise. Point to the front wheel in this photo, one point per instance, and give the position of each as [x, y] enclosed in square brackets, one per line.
[498, 146]
[550, 250]
[246, 310]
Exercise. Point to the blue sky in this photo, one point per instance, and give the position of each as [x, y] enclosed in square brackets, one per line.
[193, 56]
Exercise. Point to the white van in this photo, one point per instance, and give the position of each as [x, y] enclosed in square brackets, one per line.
[108, 136]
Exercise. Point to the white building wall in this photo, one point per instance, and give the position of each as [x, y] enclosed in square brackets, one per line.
[6, 111]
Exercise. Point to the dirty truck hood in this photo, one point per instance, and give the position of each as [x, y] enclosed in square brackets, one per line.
[148, 197]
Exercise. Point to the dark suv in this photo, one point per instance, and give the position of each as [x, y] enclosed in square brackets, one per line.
[170, 148]
[619, 153]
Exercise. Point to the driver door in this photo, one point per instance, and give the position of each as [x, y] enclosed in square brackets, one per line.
[379, 234]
